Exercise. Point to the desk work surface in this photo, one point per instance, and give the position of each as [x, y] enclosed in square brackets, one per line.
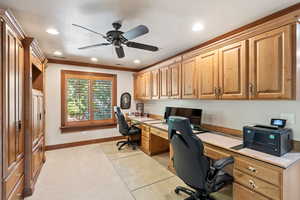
[227, 142]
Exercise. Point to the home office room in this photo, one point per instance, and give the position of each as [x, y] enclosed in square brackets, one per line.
[143, 100]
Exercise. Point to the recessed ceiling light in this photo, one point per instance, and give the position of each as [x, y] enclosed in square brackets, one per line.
[57, 53]
[197, 27]
[52, 31]
[94, 59]
[137, 61]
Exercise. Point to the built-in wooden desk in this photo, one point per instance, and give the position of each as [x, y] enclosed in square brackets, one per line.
[257, 175]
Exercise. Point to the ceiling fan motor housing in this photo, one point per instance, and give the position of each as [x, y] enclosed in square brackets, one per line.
[117, 25]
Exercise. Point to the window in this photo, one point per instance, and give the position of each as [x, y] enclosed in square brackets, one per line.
[87, 99]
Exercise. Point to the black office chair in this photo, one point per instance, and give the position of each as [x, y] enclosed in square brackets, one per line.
[192, 166]
[126, 130]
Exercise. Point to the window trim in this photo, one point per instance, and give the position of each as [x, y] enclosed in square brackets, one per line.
[91, 124]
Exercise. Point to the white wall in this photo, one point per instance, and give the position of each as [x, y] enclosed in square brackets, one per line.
[53, 104]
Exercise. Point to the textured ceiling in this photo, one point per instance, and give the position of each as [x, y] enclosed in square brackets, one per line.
[170, 23]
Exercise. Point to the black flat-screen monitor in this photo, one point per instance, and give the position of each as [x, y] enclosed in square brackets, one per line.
[194, 115]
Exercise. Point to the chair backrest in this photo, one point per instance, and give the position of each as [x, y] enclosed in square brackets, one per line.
[123, 126]
[189, 161]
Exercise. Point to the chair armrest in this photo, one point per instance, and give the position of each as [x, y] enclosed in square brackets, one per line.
[220, 164]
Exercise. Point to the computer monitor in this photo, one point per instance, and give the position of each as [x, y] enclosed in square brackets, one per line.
[194, 115]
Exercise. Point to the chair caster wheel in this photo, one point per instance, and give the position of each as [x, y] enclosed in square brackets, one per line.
[176, 191]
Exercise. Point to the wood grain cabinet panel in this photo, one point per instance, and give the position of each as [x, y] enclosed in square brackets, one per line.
[242, 193]
[175, 80]
[271, 61]
[233, 71]
[189, 78]
[155, 84]
[257, 185]
[13, 84]
[147, 85]
[164, 82]
[208, 75]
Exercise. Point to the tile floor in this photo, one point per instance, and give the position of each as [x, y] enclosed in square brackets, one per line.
[100, 171]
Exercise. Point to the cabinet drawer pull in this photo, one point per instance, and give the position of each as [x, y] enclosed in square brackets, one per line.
[252, 184]
[251, 169]
[216, 91]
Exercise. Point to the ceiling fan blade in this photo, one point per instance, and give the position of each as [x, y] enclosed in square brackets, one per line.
[120, 51]
[141, 46]
[136, 32]
[94, 45]
[90, 30]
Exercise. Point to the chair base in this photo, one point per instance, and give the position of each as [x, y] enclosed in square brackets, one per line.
[132, 143]
[193, 195]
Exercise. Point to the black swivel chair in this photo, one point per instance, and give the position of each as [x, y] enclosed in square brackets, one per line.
[126, 130]
[192, 166]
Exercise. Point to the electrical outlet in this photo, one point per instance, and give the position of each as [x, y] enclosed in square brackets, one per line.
[290, 117]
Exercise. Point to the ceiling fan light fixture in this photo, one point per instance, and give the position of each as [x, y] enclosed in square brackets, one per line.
[197, 27]
[136, 61]
[52, 31]
[94, 59]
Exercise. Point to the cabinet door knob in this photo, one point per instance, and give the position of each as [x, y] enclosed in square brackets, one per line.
[216, 91]
[252, 184]
[220, 91]
[252, 169]
[251, 89]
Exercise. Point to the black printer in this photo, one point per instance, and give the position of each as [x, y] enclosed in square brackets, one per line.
[275, 139]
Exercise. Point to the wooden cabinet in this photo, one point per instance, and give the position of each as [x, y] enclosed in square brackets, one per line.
[37, 115]
[34, 114]
[164, 82]
[233, 71]
[142, 84]
[242, 193]
[12, 107]
[147, 85]
[223, 73]
[208, 75]
[154, 84]
[37, 158]
[175, 80]
[271, 64]
[258, 65]
[189, 78]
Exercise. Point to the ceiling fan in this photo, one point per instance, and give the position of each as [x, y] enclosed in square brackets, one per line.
[119, 39]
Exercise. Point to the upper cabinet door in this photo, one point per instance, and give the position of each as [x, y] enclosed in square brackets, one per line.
[189, 79]
[233, 71]
[164, 82]
[271, 64]
[208, 75]
[175, 83]
[155, 84]
[147, 85]
[20, 101]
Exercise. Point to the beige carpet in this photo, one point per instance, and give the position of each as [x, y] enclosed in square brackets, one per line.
[101, 172]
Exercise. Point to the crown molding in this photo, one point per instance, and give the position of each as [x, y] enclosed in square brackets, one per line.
[84, 64]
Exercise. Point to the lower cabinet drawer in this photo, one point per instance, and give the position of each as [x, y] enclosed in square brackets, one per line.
[17, 193]
[37, 158]
[214, 153]
[257, 185]
[160, 133]
[258, 169]
[15, 176]
[242, 193]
